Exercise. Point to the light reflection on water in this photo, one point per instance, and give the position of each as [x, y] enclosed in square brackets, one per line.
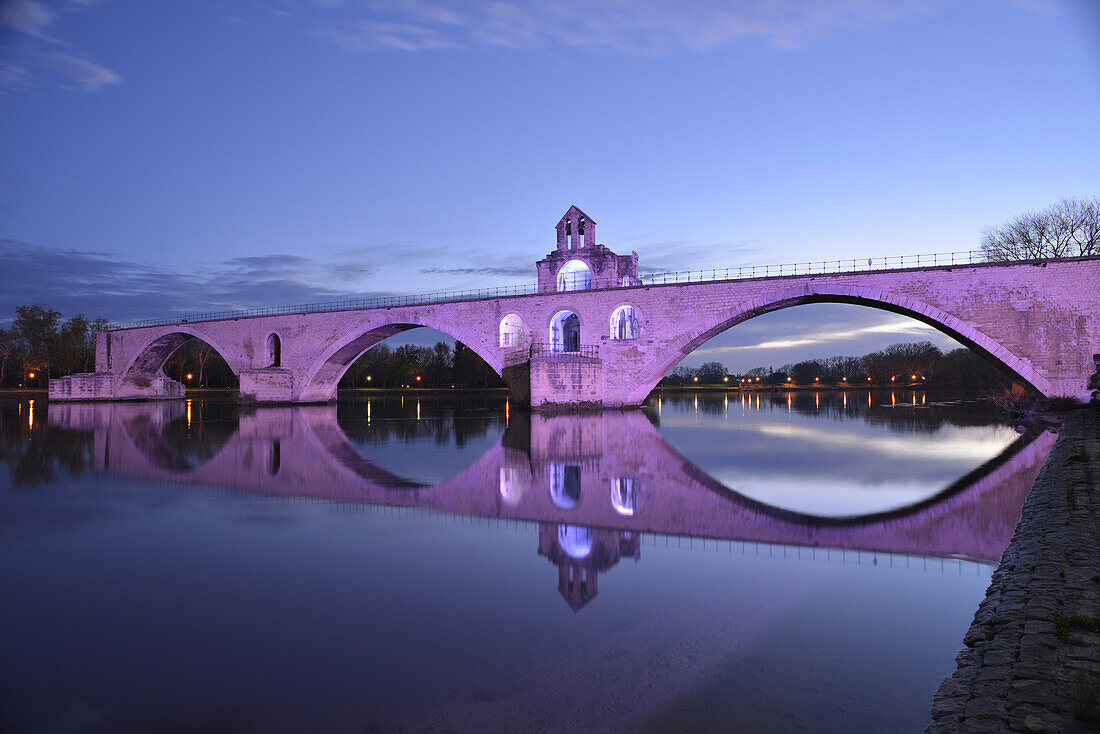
[391, 562]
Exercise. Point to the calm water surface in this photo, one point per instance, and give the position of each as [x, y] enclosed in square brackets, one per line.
[773, 562]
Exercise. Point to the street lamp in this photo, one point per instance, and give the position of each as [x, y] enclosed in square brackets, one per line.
[188, 375]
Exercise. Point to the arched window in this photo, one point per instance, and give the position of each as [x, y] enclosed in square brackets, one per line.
[575, 541]
[574, 276]
[511, 331]
[565, 485]
[565, 332]
[512, 484]
[624, 323]
[626, 495]
[274, 350]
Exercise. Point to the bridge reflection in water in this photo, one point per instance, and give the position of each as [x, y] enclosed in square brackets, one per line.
[593, 483]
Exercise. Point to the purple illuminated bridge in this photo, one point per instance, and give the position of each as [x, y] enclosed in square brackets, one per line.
[592, 331]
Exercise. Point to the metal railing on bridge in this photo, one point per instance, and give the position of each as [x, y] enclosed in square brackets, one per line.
[821, 267]
[589, 351]
[741, 272]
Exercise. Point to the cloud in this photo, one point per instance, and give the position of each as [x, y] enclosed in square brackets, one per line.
[87, 74]
[813, 331]
[524, 271]
[103, 284]
[624, 27]
[27, 16]
[38, 51]
[895, 326]
[118, 288]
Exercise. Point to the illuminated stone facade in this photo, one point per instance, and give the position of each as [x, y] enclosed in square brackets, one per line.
[1040, 320]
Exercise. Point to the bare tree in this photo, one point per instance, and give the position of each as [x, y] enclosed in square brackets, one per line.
[1067, 229]
[203, 355]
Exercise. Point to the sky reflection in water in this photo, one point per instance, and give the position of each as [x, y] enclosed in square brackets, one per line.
[167, 567]
[780, 451]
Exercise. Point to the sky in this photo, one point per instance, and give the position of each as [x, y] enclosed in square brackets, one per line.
[191, 155]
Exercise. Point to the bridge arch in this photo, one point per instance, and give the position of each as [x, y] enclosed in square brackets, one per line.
[150, 432]
[322, 377]
[960, 330]
[149, 360]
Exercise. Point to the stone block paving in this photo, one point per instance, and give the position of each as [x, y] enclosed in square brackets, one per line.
[1031, 661]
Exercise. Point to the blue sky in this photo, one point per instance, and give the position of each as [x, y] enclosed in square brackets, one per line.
[193, 155]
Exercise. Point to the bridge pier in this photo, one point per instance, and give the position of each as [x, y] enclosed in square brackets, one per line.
[101, 386]
[567, 379]
[268, 385]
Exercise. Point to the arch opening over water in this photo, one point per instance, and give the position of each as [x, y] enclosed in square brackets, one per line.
[961, 332]
[183, 356]
[468, 358]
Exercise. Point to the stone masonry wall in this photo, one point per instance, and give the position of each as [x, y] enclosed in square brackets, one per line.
[1032, 656]
[1042, 319]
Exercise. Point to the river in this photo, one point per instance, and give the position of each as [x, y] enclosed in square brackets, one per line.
[777, 562]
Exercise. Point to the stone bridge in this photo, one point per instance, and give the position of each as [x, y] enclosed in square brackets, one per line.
[592, 332]
[610, 470]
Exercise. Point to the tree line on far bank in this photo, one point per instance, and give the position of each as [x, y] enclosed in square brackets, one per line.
[197, 364]
[900, 364]
[40, 345]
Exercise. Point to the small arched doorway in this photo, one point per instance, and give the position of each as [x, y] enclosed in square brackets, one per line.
[565, 332]
[274, 350]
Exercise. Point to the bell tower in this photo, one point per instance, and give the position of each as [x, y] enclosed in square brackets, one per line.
[576, 230]
[578, 263]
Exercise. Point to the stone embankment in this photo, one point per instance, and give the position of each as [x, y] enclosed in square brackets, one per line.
[1032, 655]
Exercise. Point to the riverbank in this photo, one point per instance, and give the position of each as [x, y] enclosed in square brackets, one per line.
[1031, 660]
[785, 387]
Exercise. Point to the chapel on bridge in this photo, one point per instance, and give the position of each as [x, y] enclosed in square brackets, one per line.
[578, 263]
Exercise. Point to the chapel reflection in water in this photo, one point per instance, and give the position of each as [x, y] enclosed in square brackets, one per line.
[592, 483]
